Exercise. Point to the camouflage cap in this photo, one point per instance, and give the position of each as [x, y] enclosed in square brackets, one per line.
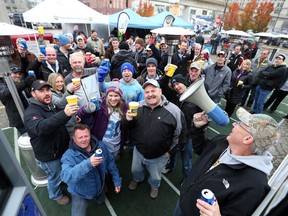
[264, 129]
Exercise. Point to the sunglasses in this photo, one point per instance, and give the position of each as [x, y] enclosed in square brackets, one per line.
[239, 124]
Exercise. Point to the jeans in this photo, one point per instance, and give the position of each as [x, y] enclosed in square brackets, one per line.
[178, 211]
[259, 100]
[53, 171]
[276, 98]
[154, 167]
[186, 156]
[79, 206]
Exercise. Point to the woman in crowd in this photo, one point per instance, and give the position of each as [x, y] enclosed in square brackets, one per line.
[106, 118]
[241, 79]
[59, 94]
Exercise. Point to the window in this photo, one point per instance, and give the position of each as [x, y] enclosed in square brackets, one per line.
[204, 12]
[192, 12]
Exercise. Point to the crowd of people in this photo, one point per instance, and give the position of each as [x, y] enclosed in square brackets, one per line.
[65, 136]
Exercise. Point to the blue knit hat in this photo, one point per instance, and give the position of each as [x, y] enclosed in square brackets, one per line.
[128, 66]
[63, 40]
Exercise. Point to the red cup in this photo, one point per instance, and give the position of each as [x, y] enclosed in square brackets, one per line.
[88, 57]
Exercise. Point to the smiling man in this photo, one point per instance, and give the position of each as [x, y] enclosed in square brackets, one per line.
[49, 137]
[233, 167]
[154, 132]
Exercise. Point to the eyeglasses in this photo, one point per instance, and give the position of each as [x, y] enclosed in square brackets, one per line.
[239, 124]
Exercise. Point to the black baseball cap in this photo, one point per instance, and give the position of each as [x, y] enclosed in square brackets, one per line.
[38, 84]
[14, 68]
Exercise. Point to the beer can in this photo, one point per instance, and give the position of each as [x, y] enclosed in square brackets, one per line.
[24, 44]
[42, 49]
[208, 196]
[96, 102]
[98, 153]
[31, 73]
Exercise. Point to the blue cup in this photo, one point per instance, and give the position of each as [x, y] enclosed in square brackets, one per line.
[42, 49]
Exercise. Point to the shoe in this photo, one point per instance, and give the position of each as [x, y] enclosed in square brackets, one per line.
[165, 170]
[64, 200]
[154, 193]
[133, 185]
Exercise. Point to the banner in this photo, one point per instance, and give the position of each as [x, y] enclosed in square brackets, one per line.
[122, 24]
[168, 21]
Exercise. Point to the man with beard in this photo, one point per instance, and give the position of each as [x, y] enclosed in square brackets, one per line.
[155, 133]
[49, 137]
[88, 78]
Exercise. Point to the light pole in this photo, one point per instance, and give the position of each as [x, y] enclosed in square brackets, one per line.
[225, 8]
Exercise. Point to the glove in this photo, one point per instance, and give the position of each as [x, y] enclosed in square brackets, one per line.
[90, 107]
[29, 80]
[102, 73]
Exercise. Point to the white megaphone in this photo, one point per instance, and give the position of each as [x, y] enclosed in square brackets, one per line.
[197, 95]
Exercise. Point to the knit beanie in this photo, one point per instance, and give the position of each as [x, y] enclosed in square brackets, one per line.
[140, 41]
[128, 66]
[123, 45]
[178, 78]
[115, 86]
[151, 61]
[63, 40]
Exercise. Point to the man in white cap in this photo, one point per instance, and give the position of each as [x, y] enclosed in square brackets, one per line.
[233, 167]
[155, 133]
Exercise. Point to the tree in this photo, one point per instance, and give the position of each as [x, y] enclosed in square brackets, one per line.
[246, 19]
[231, 19]
[263, 16]
[145, 9]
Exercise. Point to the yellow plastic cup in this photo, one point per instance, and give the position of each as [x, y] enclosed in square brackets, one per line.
[239, 83]
[171, 70]
[133, 107]
[76, 81]
[72, 99]
[201, 63]
[41, 30]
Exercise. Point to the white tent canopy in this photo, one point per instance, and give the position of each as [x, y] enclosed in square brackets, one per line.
[7, 29]
[237, 33]
[64, 11]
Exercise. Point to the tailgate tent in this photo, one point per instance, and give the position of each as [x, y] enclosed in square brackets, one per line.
[136, 21]
[64, 11]
[7, 29]
[178, 22]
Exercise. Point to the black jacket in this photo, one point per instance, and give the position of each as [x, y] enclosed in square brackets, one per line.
[64, 62]
[42, 70]
[155, 132]
[46, 128]
[182, 64]
[117, 60]
[10, 106]
[234, 95]
[239, 189]
[273, 77]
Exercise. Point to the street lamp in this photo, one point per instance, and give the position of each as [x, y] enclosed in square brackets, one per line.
[225, 8]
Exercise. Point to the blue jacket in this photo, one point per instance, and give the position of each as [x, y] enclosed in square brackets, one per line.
[82, 178]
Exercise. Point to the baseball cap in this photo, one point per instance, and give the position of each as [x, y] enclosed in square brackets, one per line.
[178, 78]
[151, 82]
[14, 68]
[38, 84]
[264, 129]
[195, 65]
[148, 48]
[79, 37]
[221, 53]
[282, 56]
